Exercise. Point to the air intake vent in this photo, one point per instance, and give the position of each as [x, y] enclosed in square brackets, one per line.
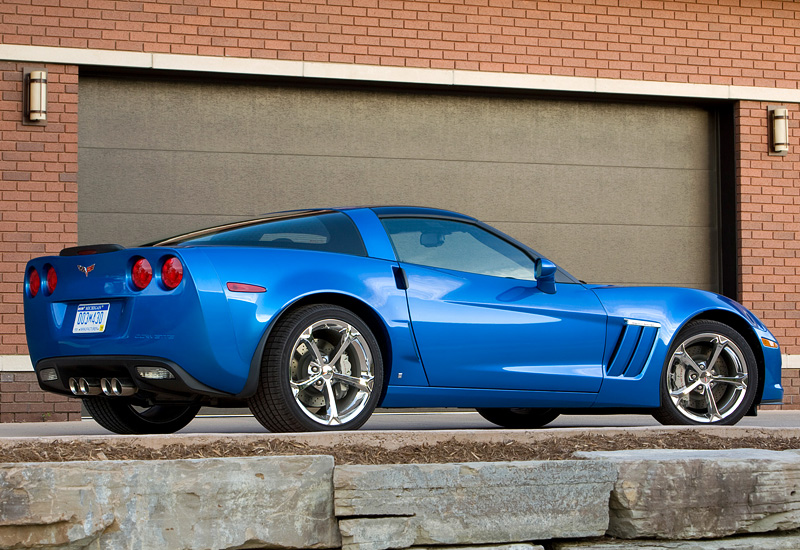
[633, 348]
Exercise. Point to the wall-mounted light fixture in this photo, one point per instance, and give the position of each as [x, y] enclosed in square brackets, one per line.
[34, 96]
[778, 130]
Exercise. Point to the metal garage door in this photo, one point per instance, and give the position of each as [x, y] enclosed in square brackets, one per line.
[614, 192]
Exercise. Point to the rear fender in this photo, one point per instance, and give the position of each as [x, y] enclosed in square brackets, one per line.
[293, 278]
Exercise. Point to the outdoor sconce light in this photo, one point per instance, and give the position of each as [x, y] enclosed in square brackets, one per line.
[778, 130]
[34, 96]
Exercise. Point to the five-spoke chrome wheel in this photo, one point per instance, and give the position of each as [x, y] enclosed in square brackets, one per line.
[710, 376]
[322, 370]
[331, 372]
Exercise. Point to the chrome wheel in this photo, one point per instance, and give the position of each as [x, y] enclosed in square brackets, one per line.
[331, 372]
[322, 370]
[707, 378]
[710, 376]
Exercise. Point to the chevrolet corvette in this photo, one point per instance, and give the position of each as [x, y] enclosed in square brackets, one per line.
[314, 318]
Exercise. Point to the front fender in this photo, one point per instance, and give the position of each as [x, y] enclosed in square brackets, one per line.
[672, 309]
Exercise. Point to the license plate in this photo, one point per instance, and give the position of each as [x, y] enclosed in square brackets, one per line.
[91, 318]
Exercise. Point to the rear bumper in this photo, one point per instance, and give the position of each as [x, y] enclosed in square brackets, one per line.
[182, 387]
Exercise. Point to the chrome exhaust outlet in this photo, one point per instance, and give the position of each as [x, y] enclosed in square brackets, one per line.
[89, 386]
[114, 387]
[85, 386]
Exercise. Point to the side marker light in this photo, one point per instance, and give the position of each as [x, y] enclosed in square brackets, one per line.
[769, 343]
[242, 287]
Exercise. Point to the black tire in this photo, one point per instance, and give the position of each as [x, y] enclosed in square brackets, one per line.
[119, 415]
[519, 418]
[724, 387]
[351, 372]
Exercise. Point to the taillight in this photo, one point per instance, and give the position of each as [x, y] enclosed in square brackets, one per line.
[172, 273]
[52, 279]
[141, 274]
[34, 282]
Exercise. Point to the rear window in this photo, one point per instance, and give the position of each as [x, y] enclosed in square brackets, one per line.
[327, 232]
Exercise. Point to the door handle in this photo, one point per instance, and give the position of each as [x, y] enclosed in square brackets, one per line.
[400, 279]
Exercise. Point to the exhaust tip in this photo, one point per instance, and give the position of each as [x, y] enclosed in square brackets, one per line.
[85, 386]
[89, 386]
[115, 387]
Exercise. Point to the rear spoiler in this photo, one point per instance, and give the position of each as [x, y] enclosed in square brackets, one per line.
[90, 249]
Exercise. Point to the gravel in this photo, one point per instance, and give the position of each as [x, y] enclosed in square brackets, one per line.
[558, 447]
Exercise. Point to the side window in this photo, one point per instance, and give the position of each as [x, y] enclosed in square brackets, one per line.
[458, 246]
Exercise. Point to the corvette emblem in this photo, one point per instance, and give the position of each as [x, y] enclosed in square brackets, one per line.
[86, 270]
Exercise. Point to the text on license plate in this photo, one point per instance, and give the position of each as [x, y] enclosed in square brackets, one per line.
[91, 318]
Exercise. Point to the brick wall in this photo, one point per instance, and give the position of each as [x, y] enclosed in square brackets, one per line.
[38, 212]
[768, 210]
[746, 42]
[21, 400]
[729, 42]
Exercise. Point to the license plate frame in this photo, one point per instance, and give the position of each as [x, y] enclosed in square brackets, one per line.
[91, 318]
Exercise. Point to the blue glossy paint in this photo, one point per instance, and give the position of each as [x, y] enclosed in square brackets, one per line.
[672, 308]
[401, 396]
[453, 338]
[477, 331]
[375, 239]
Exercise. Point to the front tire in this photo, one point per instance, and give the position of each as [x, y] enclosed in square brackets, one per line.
[710, 376]
[120, 415]
[519, 418]
[322, 370]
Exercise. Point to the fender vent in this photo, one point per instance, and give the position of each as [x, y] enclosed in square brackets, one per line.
[633, 348]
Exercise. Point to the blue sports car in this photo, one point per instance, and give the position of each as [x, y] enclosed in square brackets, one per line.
[313, 318]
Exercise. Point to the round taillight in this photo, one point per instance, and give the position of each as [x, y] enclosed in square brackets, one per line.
[34, 282]
[52, 279]
[141, 274]
[172, 273]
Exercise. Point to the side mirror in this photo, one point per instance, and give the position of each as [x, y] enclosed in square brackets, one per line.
[546, 276]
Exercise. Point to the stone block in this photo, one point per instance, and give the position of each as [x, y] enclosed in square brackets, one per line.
[399, 506]
[275, 502]
[687, 494]
[518, 546]
[779, 541]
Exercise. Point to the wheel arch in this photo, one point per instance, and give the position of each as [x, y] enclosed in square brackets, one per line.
[741, 326]
[360, 308]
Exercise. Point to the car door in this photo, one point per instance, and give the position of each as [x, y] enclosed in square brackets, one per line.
[480, 320]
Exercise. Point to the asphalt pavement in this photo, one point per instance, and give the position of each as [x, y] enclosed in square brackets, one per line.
[385, 421]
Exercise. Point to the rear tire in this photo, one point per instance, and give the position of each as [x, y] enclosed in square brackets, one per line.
[322, 370]
[118, 415]
[519, 418]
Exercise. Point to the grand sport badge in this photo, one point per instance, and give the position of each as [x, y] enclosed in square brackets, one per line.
[86, 270]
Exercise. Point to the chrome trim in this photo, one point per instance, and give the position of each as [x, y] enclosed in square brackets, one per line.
[332, 372]
[638, 323]
[707, 378]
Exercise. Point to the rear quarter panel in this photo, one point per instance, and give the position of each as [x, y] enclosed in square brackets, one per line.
[289, 277]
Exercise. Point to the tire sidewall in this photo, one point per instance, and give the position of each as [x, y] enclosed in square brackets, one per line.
[668, 412]
[519, 418]
[118, 416]
[284, 350]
